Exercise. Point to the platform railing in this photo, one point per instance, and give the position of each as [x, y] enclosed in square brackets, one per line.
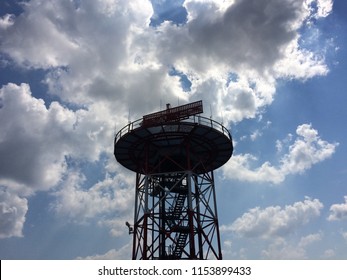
[196, 119]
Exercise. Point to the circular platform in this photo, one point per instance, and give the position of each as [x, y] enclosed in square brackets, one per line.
[198, 144]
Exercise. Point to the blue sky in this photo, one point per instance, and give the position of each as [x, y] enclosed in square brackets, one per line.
[74, 72]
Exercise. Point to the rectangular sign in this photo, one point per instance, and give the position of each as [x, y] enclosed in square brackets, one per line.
[173, 114]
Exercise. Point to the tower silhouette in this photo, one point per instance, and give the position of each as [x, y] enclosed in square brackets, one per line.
[174, 153]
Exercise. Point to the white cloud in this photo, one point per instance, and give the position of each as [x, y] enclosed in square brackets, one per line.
[32, 44]
[323, 7]
[36, 145]
[254, 43]
[338, 211]
[108, 203]
[120, 254]
[35, 140]
[257, 133]
[52, 33]
[300, 63]
[275, 248]
[329, 253]
[89, 52]
[239, 167]
[106, 197]
[6, 21]
[12, 214]
[275, 221]
[106, 51]
[257, 40]
[308, 149]
[32, 149]
[282, 249]
[280, 144]
[309, 239]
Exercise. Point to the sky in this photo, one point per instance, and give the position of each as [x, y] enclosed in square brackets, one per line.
[73, 73]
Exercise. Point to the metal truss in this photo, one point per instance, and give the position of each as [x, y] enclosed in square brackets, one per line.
[176, 217]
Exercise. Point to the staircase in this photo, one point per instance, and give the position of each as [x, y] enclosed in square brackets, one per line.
[176, 216]
[180, 244]
[181, 197]
[176, 225]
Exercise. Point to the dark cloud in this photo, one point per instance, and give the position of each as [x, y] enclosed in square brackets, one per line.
[249, 33]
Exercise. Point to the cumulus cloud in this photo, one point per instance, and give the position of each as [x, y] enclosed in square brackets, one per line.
[35, 140]
[323, 7]
[309, 239]
[282, 249]
[31, 153]
[257, 40]
[338, 211]
[275, 221]
[79, 203]
[105, 59]
[274, 232]
[37, 143]
[54, 33]
[107, 203]
[108, 51]
[12, 214]
[276, 248]
[308, 149]
[89, 52]
[120, 254]
[329, 254]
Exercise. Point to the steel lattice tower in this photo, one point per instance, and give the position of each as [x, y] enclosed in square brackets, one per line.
[174, 153]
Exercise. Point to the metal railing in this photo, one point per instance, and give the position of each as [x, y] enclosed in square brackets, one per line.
[196, 119]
